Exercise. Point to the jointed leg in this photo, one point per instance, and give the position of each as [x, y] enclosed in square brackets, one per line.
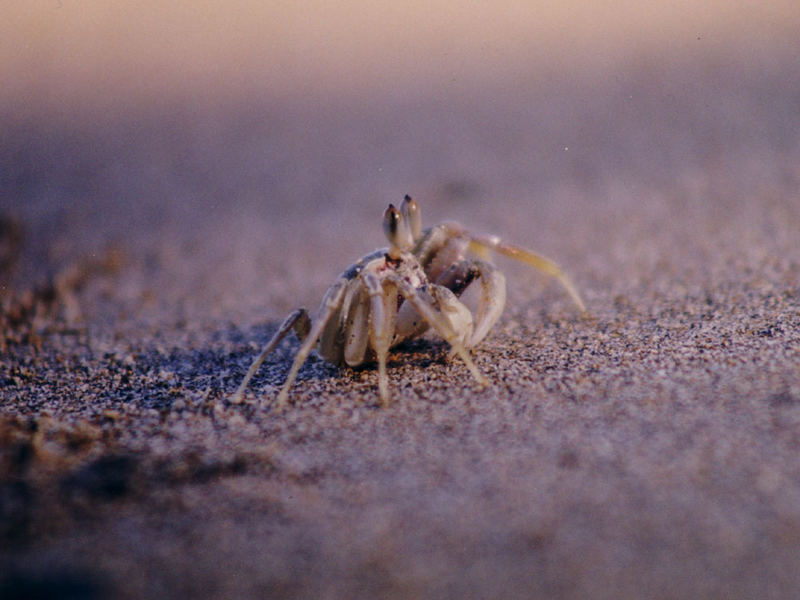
[537, 261]
[492, 298]
[491, 302]
[427, 312]
[330, 304]
[383, 307]
[299, 321]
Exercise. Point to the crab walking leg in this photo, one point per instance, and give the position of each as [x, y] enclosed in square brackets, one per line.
[330, 304]
[537, 261]
[462, 274]
[299, 321]
[383, 306]
[428, 312]
[491, 301]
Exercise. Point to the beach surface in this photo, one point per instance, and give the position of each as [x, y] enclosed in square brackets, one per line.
[166, 200]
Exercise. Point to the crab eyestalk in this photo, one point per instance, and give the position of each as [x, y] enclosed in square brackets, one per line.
[397, 232]
[410, 210]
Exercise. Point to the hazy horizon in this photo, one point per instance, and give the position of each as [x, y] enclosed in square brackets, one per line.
[73, 53]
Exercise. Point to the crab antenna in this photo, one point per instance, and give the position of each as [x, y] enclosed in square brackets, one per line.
[411, 212]
[397, 231]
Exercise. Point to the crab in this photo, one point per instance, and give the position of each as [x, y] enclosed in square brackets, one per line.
[398, 293]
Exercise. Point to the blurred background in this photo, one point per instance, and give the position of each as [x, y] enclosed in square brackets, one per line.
[62, 54]
[198, 130]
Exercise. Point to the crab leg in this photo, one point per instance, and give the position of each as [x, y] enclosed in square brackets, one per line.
[427, 312]
[460, 275]
[491, 301]
[299, 321]
[354, 328]
[537, 261]
[330, 305]
[383, 305]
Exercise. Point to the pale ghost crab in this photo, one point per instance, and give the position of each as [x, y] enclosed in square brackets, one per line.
[397, 293]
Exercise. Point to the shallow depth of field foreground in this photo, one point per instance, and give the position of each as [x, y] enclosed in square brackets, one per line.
[167, 197]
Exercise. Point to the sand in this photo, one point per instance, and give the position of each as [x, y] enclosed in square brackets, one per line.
[648, 449]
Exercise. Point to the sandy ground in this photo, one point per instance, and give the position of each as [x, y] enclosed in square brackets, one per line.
[649, 449]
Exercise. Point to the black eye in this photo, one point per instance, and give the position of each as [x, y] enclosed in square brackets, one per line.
[397, 231]
[391, 222]
[411, 213]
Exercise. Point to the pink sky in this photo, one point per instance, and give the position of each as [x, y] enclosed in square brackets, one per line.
[79, 49]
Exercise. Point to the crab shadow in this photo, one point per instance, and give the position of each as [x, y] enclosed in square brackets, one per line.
[420, 353]
[217, 364]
